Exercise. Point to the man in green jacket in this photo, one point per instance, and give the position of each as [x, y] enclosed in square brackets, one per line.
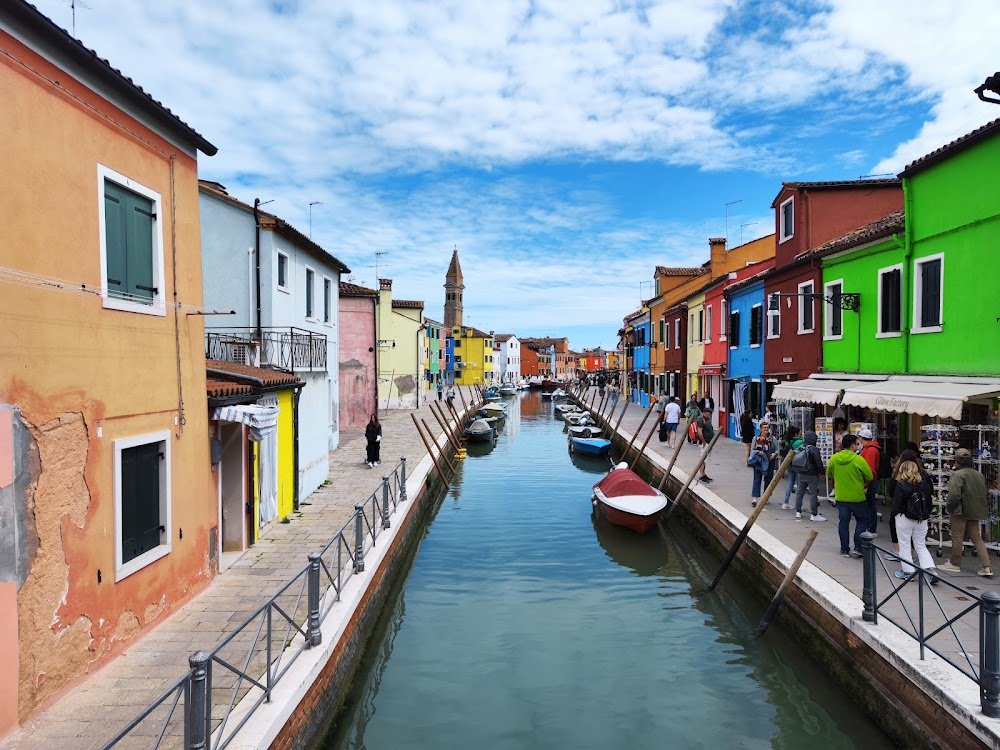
[850, 473]
[967, 506]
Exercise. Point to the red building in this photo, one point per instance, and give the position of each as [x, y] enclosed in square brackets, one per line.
[529, 362]
[806, 215]
[675, 347]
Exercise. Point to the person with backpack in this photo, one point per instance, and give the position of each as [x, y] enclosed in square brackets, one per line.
[763, 459]
[790, 442]
[912, 501]
[808, 465]
[872, 452]
[706, 431]
[850, 473]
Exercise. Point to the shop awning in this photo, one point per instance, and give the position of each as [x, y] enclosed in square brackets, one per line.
[929, 399]
[262, 420]
[710, 369]
[812, 390]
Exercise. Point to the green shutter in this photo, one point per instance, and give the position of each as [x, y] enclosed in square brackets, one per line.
[114, 238]
[140, 483]
[140, 248]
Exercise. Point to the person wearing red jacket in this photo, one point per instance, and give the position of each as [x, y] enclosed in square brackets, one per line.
[871, 452]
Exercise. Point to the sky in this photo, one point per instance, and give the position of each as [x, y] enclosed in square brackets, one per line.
[565, 147]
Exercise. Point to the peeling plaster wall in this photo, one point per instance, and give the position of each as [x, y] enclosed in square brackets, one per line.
[357, 361]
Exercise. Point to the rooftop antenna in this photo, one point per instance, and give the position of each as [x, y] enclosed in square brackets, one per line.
[73, 5]
[748, 224]
[731, 203]
[311, 204]
[873, 176]
[379, 254]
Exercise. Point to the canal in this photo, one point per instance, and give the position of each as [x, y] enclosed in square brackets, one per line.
[524, 622]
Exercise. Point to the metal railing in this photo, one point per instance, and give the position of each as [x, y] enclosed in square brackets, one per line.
[200, 709]
[934, 621]
[287, 348]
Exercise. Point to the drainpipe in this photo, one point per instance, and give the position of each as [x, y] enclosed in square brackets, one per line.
[295, 454]
[375, 346]
[419, 368]
[256, 221]
[907, 312]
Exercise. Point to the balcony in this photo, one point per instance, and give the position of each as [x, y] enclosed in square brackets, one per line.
[293, 349]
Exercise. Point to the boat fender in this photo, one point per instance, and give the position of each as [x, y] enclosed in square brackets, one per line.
[622, 465]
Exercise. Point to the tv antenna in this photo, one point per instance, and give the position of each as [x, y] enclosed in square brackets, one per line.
[311, 204]
[73, 5]
[748, 224]
[731, 203]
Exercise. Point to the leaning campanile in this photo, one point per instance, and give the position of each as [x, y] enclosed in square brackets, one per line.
[453, 287]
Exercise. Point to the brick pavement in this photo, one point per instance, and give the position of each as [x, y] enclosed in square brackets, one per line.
[97, 708]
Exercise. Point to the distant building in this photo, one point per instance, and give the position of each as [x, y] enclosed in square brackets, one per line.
[399, 349]
[453, 288]
[473, 355]
[507, 357]
[357, 359]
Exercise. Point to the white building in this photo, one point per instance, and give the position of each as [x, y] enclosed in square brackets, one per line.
[507, 357]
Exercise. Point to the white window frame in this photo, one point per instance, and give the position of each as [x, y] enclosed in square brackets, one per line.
[158, 306]
[723, 320]
[690, 328]
[772, 315]
[828, 308]
[677, 333]
[803, 301]
[306, 270]
[708, 324]
[880, 334]
[782, 237]
[762, 322]
[328, 301]
[123, 570]
[918, 278]
[277, 272]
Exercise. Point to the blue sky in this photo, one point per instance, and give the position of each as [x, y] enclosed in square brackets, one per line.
[566, 148]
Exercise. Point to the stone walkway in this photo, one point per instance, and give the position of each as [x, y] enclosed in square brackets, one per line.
[95, 710]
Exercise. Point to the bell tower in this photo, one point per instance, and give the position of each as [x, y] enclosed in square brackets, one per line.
[453, 287]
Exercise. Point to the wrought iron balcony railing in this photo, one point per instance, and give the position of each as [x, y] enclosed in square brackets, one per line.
[294, 349]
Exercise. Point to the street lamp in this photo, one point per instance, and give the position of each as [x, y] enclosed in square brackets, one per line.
[991, 84]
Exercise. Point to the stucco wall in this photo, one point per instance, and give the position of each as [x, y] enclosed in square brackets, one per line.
[357, 361]
[745, 362]
[84, 376]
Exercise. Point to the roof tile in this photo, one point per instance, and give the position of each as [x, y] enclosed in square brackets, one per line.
[876, 230]
[948, 149]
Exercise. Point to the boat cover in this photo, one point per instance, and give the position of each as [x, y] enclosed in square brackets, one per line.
[624, 482]
[625, 490]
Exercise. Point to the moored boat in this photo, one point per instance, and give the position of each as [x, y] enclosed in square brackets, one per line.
[579, 418]
[494, 409]
[479, 431]
[625, 499]
[585, 431]
[558, 394]
[508, 390]
[591, 446]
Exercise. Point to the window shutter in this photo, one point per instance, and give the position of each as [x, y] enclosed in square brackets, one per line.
[930, 293]
[836, 313]
[891, 301]
[139, 260]
[734, 328]
[140, 482]
[114, 238]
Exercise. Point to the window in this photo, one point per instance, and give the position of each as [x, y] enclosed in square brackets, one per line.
[890, 301]
[786, 219]
[142, 501]
[447, 359]
[691, 328]
[807, 317]
[677, 333]
[756, 325]
[458, 343]
[283, 272]
[661, 331]
[734, 329]
[834, 313]
[310, 278]
[131, 245]
[722, 320]
[458, 358]
[928, 297]
[701, 325]
[666, 334]
[773, 322]
[708, 324]
[327, 288]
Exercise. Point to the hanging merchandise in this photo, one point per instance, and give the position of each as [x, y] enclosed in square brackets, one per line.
[937, 450]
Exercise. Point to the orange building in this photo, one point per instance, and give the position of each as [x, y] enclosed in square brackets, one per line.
[105, 473]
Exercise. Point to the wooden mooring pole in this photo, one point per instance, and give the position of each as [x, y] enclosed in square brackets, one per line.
[655, 426]
[638, 430]
[779, 596]
[429, 451]
[693, 475]
[673, 459]
[447, 460]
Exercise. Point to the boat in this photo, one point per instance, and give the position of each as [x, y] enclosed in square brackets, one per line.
[591, 446]
[492, 393]
[494, 409]
[551, 385]
[579, 418]
[566, 408]
[480, 431]
[585, 431]
[559, 394]
[625, 499]
[508, 390]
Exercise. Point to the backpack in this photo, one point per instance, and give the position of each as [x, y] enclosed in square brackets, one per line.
[884, 465]
[800, 461]
[916, 506]
[693, 432]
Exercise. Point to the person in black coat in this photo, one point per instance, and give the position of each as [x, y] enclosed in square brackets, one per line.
[911, 522]
[373, 434]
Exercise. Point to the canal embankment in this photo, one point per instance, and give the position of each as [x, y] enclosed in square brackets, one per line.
[919, 702]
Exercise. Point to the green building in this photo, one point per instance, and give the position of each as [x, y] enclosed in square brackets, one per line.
[432, 354]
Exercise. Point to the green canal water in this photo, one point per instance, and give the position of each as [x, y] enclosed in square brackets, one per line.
[524, 622]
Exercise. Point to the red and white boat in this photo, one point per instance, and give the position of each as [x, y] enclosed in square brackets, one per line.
[627, 500]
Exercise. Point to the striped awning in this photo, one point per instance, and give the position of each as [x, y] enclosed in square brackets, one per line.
[262, 420]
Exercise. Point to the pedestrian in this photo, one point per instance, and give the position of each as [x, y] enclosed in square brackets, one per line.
[373, 434]
[850, 473]
[440, 389]
[747, 430]
[912, 500]
[707, 402]
[692, 413]
[871, 451]
[614, 395]
[763, 459]
[706, 431]
[907, 455]
[790, 441]
[807, 476]
[671, 418]
[967, 507]
[451, 396]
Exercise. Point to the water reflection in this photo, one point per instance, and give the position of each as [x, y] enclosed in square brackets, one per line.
[643, 554]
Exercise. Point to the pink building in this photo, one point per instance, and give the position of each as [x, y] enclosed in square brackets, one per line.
[357, 359]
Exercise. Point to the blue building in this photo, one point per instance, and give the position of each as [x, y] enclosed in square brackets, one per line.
[449, 360]
[745, 362]
[642, 381]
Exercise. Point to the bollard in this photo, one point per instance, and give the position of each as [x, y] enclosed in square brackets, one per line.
[314, 636]
[402, 479]
[385, 502]
[359, 539]
[989, 655]
[868, 552]
[198, 709]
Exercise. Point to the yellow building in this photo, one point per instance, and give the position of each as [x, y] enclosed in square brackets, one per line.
[399, 356]
[473, 355]
[697, 329]
[103, 425]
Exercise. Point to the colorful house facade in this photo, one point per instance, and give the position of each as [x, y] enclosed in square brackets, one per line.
[745, 339]
[399, 347]
[104, 439]
[507, 357]
[473, 355]
[357, 356]
[433, 354]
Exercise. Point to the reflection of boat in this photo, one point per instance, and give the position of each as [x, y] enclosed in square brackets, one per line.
[547, 395]
[591, 446]
[584, 431]
[645, 555]
[480, 431]
[625, 499]
[590, 464]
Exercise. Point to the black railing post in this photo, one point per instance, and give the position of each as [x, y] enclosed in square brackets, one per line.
[198, 707]
[314, 636]
[989, 655]
[402, 479]
[868, 552]
[920, 608]
[385, 502]
[359, 539]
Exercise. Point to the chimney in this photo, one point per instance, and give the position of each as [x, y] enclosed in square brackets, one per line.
[385, 284]
[717, 253]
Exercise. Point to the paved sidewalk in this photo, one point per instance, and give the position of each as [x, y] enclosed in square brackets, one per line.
[95, 710]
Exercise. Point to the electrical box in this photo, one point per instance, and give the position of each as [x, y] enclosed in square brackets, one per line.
[216, 451]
